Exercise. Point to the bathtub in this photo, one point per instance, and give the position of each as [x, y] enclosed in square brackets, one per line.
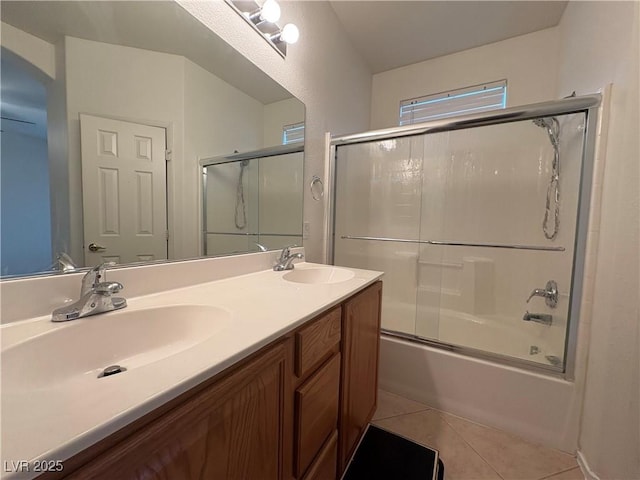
[496, 334]
[538, 407]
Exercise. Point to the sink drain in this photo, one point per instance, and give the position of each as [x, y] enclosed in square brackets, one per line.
[111, 370]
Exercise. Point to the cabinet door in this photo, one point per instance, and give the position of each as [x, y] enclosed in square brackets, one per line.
[324, 467]
[317, 413]
[361, 335]
[231, 430]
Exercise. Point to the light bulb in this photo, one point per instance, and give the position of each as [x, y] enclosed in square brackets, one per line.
[270, 11]
[290, 33]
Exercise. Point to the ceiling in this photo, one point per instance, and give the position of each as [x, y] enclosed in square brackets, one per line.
[392, 34]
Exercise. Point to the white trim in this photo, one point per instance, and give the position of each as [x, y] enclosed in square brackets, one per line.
[584, 467]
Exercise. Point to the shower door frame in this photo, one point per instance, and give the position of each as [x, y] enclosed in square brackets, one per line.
[587, 104]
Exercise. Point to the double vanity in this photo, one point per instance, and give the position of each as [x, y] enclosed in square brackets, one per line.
[243, 373]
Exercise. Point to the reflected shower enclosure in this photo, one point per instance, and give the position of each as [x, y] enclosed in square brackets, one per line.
[475, 229]
[252, 201]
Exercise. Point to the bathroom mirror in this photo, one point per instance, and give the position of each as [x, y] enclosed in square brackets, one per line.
[107, 109]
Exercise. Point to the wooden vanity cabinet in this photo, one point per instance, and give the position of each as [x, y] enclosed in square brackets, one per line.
[231, 430]
[294, 410]
[360, 350]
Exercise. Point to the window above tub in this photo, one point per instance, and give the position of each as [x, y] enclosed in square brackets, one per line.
[462, 101]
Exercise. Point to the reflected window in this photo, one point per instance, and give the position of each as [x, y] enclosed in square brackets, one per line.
[293, 133]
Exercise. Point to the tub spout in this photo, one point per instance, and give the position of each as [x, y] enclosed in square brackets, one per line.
[543, 318]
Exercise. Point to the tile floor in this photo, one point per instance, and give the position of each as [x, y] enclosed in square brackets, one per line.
[471, 451]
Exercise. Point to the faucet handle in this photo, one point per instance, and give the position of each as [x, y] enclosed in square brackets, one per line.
[538, 292]
[549, 292]
[108, 288]
[94, 276]
[286, 252]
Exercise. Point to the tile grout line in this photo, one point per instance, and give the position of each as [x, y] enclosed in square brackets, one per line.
[470, 446]
[560, 472]
[400, 414]
[442, 414]
[465, 440]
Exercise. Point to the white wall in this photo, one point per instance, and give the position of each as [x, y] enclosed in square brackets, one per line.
[219, 119]
[322, 69]
[58, 144]
[39, 53]
[600, 45]
[527, 62]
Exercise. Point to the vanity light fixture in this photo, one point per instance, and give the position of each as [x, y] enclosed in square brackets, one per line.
[270, 12]
[262, 16]
[289, 34]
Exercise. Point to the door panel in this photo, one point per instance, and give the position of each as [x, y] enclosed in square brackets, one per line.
[123, 191]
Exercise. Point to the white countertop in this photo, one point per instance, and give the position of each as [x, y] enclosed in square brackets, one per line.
[60, 421]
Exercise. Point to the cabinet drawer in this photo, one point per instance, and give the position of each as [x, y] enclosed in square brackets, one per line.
[316, 413]
[315, 342]
[325, 466]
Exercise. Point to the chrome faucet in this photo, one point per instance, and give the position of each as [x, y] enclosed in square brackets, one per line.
[285, 262]
[549, 292]
[65, 263]
[96, 296]
[543, 318]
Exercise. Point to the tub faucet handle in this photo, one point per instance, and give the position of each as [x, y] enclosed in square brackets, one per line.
[549, 292]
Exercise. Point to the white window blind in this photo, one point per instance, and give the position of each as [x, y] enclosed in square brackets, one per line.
[463, 101]
[293, 133]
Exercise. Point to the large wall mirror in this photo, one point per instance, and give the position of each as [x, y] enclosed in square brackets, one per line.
[112, 114]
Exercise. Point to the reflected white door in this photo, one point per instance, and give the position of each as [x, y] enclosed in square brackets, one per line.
[123, 191]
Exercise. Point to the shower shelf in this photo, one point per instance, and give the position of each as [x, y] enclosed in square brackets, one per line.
[459, 244]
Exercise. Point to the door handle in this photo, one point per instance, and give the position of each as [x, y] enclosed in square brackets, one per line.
[94, 247]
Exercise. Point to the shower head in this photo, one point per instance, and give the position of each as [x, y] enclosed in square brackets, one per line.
[540, 122]
[552, 126]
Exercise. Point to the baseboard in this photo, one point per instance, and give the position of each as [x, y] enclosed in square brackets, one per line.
[584, 466]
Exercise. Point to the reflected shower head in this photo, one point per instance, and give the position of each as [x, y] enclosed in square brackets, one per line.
[552, 126]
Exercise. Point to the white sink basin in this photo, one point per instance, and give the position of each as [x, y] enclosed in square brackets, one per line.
[79, 350]
[319, 275]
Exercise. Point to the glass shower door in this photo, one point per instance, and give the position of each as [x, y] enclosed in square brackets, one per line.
[483, 205]
[475, 230]
[377, 220]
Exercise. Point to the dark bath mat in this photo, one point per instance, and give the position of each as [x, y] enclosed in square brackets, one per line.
[382, 455]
